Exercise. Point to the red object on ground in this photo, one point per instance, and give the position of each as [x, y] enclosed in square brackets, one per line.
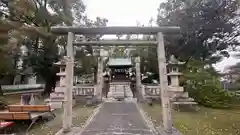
[5, 124]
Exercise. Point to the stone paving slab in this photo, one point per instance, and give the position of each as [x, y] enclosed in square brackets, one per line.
[118, 118]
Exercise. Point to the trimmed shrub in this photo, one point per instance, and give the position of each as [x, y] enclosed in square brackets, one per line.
[210, 95]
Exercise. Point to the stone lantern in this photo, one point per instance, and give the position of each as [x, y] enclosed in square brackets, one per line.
[174, 73]
[62, 74]
[178, 96]
[57, 97]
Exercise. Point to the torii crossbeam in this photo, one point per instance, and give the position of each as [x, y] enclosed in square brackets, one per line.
[116, 43]
[114, 30]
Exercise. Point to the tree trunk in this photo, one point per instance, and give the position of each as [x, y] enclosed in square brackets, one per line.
[2, 102]
[50, 80]
[50, 84]
[1, 92]
[95, 75]
[48, 87]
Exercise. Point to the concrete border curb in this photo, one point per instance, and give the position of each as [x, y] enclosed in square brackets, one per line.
[79, 130]
[158, 130]
[91, 117]
[146, 119]
[73, 131]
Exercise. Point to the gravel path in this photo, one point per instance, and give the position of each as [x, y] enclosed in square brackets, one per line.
[118, 118]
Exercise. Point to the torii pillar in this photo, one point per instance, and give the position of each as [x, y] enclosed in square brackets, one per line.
[167, 117]
[67, 112]
[100, 78]
[138, 77]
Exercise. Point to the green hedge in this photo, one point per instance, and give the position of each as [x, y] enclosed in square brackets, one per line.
[211, 96]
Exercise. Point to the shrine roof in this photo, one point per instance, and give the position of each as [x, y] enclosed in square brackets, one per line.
[119, 62]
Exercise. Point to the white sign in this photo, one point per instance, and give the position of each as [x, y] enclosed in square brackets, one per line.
[120, 70]
[103, 53]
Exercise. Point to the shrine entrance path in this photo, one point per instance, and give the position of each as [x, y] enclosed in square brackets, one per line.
[118, 118]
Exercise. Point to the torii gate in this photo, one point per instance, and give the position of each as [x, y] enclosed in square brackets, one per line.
[159, 31]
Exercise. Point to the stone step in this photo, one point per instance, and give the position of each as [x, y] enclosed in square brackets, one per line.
[56, 95]
[184, 99]
[60, 89]
[175, 89]
[185, 95]
[56, 105]
[179, 94]
[53, 100]
[61, 74]
[120, 90]
[184, 103]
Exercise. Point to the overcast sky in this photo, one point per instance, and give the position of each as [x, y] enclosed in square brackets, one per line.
[128, 12]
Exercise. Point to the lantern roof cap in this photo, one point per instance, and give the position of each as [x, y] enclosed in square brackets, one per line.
[174, 73]
[173, 61]
[60, 63]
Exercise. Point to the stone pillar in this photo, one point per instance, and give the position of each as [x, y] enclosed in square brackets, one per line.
[167, 117]
[138, 77]
[174, 80]
[33, 100]
[32, 79]
[22, 101]
[67, 115]
[99, 78]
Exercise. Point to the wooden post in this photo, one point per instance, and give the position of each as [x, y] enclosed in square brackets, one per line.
[32, 99]
[22, 100]
[138, 77]
[167, 117]
[67, 115]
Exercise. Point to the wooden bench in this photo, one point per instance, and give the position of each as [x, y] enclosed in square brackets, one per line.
[15, 116]
[29, 108]
[26, 112]
[22, 116]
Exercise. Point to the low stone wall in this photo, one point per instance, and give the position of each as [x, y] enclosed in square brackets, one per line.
[22, 89]
[85, 94]
[80, 99]
[150, 93]
[22, 86]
